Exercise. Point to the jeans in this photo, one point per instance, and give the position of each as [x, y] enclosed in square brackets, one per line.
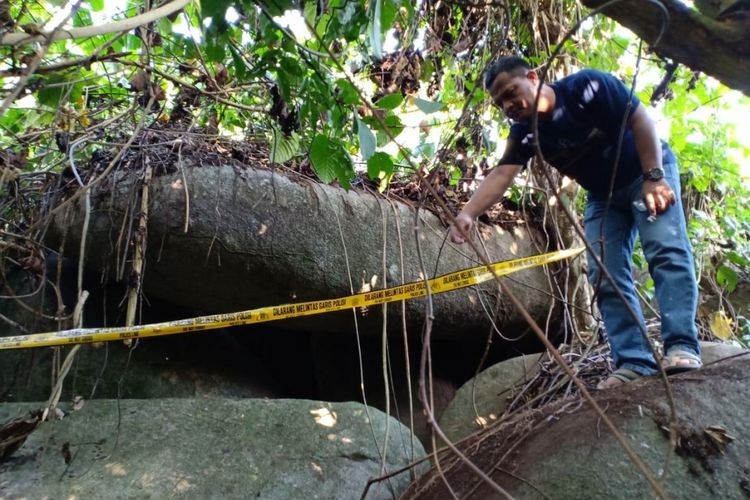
[670, 262]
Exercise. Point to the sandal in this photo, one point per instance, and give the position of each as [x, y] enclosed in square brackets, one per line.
[680, 360]
[619, 377]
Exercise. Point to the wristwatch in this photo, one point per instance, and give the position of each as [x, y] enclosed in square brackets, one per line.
[655, 174]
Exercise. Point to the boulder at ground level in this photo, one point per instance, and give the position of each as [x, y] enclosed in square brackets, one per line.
[212, 448]
[711, 352]
[566, 452]
[483, 399]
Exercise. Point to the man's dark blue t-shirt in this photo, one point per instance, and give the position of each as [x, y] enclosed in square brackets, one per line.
[580, 139]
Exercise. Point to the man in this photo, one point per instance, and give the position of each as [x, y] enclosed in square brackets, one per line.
[580, 121]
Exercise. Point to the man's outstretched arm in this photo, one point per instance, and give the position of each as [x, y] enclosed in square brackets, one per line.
[658, 196]
[488, 193]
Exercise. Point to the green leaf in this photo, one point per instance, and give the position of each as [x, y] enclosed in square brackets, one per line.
[388, 10]
[738, 259]
[376, 37]
[240, 68]
[367, 141]
[393, 123]
[283, 148]
[428, 68]
[96, 5]
[347, 92]
[15, 120]
[701, 183]
[309, 11]
[390, 101]
[424, 150]
[276, 7]
[215, 8]
[428, 107]
[82, 17]
[380, 165]
[348, 20]
[331, 161]
[215, 46]
[726, 278]
[347, 12]
[52, 96]
[292, 66]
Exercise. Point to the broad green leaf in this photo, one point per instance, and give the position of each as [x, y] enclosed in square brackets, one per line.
[393, 123]
[82, 17]
[738, 259]
[331, 161]
[424, 150]
[347, 93]
[283, 148]
[376, 37]
[52, 96]
[349, 20]
[428, 107]
[14, 120]
[215, 52]
[428, 68]
[388, 12]
[275, 7]
[215, 8]
[373, 122]
[701, 183]
[320, 150]
[347, 14]
[379, 166]
[96, 5]
[292, 67]
[390, 101]
[367, 142]
[323, 24]
[240, 68]
[309, 11]
[726, 277]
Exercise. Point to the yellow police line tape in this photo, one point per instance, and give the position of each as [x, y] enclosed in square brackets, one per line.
[441, 284]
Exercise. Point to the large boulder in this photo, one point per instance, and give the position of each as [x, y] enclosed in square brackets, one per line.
[261, 238]
[214, 448]
[484, 398]
[712, 352]
[566, 452]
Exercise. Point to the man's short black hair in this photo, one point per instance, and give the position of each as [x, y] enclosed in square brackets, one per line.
[514, 65]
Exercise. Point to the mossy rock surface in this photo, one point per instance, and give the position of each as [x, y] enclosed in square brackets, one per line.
[212, 448]
[483, 399]
[565, 451]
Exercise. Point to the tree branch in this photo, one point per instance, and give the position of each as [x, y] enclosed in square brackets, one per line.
[89, 31]
[720, 48]
[84, 61]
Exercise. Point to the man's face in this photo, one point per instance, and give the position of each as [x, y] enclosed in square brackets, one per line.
[515, 94]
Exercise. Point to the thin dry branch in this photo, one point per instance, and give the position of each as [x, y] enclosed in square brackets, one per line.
[90, 31]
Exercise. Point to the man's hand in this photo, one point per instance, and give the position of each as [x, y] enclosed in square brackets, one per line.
[464, 223]
[658, 196]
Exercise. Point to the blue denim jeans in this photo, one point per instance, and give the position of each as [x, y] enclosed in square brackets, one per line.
[670, 262]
